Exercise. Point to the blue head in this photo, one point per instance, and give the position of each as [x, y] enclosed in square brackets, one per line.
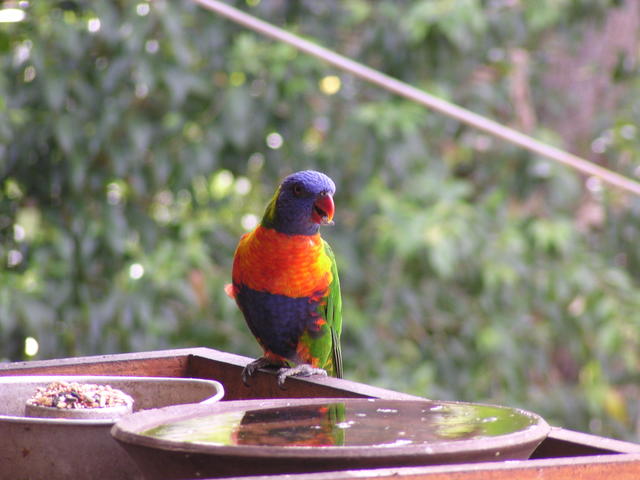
[302, 202]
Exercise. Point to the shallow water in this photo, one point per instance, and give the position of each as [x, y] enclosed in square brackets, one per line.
[352, 423]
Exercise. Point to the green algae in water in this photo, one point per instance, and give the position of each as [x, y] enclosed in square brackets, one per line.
[354, 423]
[481, 421]
[213, 429]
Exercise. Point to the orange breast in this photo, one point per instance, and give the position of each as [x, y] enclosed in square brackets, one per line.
[291, 265]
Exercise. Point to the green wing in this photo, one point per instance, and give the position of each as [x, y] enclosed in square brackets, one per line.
[334, 313]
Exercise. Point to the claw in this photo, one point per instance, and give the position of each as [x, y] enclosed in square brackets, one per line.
[302, 370]
[252, 368]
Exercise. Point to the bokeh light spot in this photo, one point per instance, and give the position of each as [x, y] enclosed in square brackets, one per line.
[14, 258]
[31, 347]
[243, 185]
[11, 15]
[143, 9]
[93, 25]
[274, 140]
[152, 46]
[330, 85]
[29, 74]
[19, 233]
[249, 221]
[136, 271]
[221, 183]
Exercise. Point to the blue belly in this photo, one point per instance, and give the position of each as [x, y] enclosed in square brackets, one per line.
[278, 321]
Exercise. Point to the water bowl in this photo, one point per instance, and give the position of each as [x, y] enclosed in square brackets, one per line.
[259, 437]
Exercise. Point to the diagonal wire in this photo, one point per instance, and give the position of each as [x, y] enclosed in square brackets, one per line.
[420, 96]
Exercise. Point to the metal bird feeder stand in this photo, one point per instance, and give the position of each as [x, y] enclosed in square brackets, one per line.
[563, 454]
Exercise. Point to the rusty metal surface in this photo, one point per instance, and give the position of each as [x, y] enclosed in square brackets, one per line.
[226, 368]
[168, 363]
[613, 467]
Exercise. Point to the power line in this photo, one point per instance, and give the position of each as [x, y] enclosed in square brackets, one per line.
[420, 96]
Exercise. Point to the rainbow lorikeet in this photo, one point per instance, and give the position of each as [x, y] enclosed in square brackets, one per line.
[285, 281]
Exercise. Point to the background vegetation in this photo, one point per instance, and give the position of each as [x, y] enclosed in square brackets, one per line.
[139, 141]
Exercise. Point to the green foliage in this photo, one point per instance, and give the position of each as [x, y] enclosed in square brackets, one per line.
[139, 141]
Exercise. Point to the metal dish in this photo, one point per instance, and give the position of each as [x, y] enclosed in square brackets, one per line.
[62, 448]
[278, 436]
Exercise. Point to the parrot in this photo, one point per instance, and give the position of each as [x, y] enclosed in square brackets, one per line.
[285, 281]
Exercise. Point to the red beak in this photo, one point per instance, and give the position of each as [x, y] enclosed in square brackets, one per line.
[323, 209]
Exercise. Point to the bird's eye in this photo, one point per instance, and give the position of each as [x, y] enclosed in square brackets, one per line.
[297, 189]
